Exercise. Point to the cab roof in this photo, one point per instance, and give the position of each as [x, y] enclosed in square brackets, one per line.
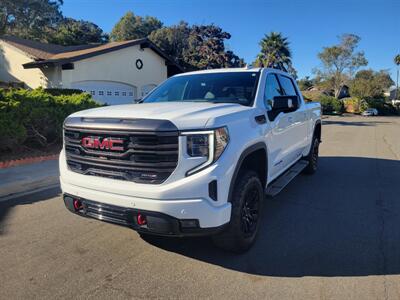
[224, 70]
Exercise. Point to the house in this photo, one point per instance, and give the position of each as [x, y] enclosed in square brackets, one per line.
[391, 93]
[114, 73]
[344, 92]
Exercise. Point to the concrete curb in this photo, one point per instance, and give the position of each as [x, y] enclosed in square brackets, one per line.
[26, 179]
[26, 187]
[26, 160]
[29, 192]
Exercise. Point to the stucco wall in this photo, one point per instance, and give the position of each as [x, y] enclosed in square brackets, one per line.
[11, 69]
[119, 66]
[53, 77]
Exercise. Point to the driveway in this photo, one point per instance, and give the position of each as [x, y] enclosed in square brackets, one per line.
[334, 235]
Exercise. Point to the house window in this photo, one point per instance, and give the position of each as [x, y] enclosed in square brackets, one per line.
[101, 93]
[123, 93]
[116, 94]
[130, 94]
[109, 93]
[92, 93]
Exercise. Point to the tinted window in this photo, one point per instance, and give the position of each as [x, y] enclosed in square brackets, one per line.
[272, 89]
[287, 85]
[228, 87]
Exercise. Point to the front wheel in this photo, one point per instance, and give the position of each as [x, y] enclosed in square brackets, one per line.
[246, 203]
[312, 157]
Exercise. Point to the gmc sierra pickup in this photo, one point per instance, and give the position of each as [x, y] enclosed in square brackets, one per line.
[196, 157]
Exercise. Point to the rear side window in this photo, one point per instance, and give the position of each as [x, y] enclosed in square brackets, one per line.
[287, 85]
[272, 89]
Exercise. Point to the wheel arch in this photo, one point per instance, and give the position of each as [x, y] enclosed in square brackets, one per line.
[256, 158]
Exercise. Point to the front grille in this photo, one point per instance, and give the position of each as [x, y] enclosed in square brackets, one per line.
[145, 157]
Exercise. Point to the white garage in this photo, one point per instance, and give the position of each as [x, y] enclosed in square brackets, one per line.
[113, 73]
[108, 92]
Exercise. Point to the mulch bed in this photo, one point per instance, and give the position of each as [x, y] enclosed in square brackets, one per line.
[28, 156]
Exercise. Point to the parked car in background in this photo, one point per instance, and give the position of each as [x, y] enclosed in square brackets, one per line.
[370, 112]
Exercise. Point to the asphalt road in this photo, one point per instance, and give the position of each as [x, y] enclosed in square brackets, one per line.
[334, 235]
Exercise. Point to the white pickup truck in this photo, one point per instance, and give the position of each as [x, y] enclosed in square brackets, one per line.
[196, 157]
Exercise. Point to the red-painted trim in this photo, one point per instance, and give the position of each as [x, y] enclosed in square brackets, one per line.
[25, 161]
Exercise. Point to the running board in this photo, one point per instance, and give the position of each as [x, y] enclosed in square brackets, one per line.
[284, 179]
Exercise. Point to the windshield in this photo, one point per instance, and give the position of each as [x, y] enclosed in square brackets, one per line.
[227, 87]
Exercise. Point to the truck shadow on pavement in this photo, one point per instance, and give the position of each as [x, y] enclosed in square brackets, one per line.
[8, 205]
[342, 221]
[354, 123]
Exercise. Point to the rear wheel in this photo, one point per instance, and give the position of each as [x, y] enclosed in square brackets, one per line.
[246, 203]
[312, 157]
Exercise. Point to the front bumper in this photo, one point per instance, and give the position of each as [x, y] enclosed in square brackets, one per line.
[200, 209]
[156, 223]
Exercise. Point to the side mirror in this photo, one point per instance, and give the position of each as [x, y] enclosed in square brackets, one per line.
[285, 103]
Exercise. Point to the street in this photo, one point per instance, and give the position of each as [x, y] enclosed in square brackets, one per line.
[333, 235]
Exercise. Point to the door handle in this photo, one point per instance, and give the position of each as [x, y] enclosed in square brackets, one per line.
[261, 119]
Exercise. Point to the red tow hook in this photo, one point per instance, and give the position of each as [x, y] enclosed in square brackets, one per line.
[77, 204]
[141, 219]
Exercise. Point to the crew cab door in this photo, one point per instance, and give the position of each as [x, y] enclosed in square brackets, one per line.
[297, 118]
[285, 134]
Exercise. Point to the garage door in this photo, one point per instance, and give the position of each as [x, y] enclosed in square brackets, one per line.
[147, 89]
[109, 92]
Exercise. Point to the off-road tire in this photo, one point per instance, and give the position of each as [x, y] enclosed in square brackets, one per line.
[247, 201]
[312, 157]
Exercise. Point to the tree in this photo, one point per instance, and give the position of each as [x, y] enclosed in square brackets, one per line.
[207, 48]
[397, 62]
[131, 27]
[368, 84]
[340, 61]
[34, 19]
[77, 32]
[196, 47]
[275, 53]
[305, 83]
[174, 41]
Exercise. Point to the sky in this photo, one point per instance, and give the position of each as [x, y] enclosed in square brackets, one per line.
[309, 25]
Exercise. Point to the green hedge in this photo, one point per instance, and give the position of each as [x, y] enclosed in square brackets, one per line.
[36, 117]
[331, 105]
[383, 107]
[59, 92]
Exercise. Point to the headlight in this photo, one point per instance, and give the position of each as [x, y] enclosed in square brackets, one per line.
[209, 144]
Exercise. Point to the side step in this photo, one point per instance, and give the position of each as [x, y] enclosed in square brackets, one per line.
[283, 180]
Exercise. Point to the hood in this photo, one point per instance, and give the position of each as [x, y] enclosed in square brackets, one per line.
[185, 115]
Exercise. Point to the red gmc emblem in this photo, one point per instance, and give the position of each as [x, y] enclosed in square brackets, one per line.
[105, 144]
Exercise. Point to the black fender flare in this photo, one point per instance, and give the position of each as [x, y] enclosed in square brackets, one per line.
[318, 123]
[246, 153]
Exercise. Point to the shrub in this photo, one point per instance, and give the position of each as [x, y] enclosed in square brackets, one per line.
[331, 105]
[36, 116]
[311, 96]
[383, 107]
[354, 104]
[59, 92]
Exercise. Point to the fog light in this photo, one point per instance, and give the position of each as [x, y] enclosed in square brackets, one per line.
[141, 219]
[189, 223]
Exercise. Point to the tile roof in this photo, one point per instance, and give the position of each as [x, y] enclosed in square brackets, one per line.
[79, 52]
[41, 50]
[44, 53]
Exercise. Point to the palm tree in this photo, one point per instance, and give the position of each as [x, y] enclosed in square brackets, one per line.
[397, 62]
[275, 52]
